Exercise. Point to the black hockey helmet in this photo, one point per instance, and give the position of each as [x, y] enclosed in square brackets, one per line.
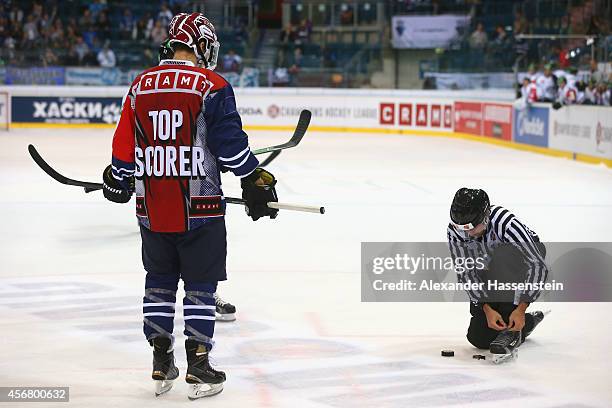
[470, 207]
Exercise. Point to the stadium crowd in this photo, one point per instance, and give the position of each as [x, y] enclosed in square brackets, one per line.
[566, 87]
[46, 35]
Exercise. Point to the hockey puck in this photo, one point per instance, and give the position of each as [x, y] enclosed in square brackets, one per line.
[448, 353]
[479, 357]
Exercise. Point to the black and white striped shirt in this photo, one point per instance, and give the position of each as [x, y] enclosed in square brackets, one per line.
[503, 228]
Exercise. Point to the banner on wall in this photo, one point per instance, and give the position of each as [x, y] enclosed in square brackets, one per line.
[99, 76]
[427, 31]
[460, 80]
[34, 76]
[497, 120]
[342, 111]
[531, 126]
[468, 117]
[582, 129]
[30, 109]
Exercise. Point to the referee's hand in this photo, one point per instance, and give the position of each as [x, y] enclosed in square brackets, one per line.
[494, 320]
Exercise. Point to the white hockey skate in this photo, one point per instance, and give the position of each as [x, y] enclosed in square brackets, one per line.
[163, 386]
[202, 379]
[197, 391]
[164, 369]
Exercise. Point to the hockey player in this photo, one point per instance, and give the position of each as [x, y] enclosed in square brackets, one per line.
[529, 92]
[178, 128]
[225, 311]
[566, 95]
[547, 84]
[514, 253]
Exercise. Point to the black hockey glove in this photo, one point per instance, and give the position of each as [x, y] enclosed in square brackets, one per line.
[113, 190]
[557, 105]
[258, 190]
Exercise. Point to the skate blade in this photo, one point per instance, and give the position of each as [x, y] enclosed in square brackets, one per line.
[197, 391]
[162, 386]
[503, 358]
[225, 317]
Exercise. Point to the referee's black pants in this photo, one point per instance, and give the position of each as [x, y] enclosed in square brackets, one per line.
[507, 265]
[480, 335]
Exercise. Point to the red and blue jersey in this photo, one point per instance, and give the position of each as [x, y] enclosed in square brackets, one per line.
[178, 128]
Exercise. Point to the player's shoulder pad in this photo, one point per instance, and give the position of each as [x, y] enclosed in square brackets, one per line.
[217, 80]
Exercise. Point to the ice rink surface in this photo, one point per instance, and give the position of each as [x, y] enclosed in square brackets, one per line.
[71, 280]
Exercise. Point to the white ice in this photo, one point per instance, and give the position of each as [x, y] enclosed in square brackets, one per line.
[71, 280]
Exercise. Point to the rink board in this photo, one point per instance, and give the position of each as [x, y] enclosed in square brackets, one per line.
[582, 133]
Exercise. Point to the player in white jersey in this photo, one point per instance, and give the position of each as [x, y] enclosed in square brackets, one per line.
[547, 85]
[530, 92]
[590, 93]
[566, 95]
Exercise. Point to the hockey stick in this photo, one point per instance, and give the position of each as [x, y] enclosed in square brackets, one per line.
[98, 186]
[59, 177]
[298, 134]
[269, 159]
[281, 206]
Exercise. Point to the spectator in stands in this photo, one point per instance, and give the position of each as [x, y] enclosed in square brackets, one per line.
[501, 39]
[96, 7]
[597, 26]
[296, 65]
[4, 29]
[56, 35]
[30, 32]
[232, 62]
[165, 15]
[346, 15]
[159, 33]
[241, 34]
[106, 56]
[48, 58]
[304, 31]
[126, 25]
[288, 35]
[520, 23]
[103, 26]
[478, 39]
[81, 49]
[37, 10]
[15, 16]
[86, 21]
[143, 28]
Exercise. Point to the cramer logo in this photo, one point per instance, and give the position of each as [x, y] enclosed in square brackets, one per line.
[531, 125]
[419, 115]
